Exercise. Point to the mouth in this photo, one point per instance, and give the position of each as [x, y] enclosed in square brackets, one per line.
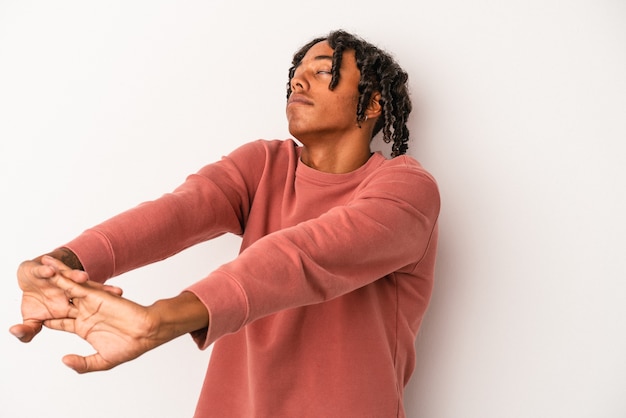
[297, 98]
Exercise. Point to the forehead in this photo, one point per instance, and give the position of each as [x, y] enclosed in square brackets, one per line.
[322, 51]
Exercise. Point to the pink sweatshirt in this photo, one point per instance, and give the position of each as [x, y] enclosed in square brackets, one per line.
[318, 315]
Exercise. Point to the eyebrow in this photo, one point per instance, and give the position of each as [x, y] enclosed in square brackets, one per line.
[318, 58]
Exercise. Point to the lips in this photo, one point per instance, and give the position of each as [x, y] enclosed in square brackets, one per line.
[297, 98]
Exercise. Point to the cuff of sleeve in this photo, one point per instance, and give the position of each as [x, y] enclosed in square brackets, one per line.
[94, 252]
[226, 303]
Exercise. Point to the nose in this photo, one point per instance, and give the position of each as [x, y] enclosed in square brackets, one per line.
[298, 82]
[296, 85]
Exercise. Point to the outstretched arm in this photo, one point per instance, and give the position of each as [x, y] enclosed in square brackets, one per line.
[42, 300]
[117, 328]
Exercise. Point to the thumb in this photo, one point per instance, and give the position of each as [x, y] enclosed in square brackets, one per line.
[26, 332]
[86, 364]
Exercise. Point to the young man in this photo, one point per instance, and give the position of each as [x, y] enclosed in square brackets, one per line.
[318, 314]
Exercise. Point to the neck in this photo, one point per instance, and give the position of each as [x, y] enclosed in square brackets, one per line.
[335, 159]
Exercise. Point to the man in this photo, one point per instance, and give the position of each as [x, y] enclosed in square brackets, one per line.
[318, 314]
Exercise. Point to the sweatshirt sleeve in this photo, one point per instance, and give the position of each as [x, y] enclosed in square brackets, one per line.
[211, 202]
[387, 227]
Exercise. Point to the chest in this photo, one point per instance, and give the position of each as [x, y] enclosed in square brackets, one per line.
[283, 203]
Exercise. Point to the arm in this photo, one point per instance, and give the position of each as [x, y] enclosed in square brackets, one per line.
[389, 226]
[209, 203]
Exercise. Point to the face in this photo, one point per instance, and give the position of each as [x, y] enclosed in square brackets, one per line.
[315, 112]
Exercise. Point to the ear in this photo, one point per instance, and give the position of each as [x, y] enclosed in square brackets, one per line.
[374, 109]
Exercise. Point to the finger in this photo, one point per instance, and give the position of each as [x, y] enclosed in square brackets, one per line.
[26, 332]
[37, 270]
[72, 289]
[114, 290]
[92, 363]
[62, 324]
[78, 276]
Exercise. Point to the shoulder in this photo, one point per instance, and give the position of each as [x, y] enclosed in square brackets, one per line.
[402, 178]
[264, 157]
[268, 148]
[401, 166]
[253, 157]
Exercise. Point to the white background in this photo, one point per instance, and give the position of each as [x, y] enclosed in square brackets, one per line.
[520, 115]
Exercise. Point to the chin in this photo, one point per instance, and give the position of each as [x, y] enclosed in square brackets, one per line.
[296, 131]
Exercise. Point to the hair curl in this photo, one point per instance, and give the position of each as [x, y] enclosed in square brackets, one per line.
[379, 73]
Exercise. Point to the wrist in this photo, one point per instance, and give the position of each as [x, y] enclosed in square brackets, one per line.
[179, 315]
[65, 256]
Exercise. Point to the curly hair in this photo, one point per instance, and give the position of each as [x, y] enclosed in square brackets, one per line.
[379, 73]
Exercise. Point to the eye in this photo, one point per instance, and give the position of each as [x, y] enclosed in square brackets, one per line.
[324, 71]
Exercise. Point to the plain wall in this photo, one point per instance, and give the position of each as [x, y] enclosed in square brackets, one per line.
[520, 115]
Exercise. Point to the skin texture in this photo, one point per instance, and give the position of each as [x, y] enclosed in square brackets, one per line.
[324, 120]
[117, 328]
[58, 295]
[380, 75]
[43, 300]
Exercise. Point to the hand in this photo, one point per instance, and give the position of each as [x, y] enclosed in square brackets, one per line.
[41, 299]
[119, 329]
